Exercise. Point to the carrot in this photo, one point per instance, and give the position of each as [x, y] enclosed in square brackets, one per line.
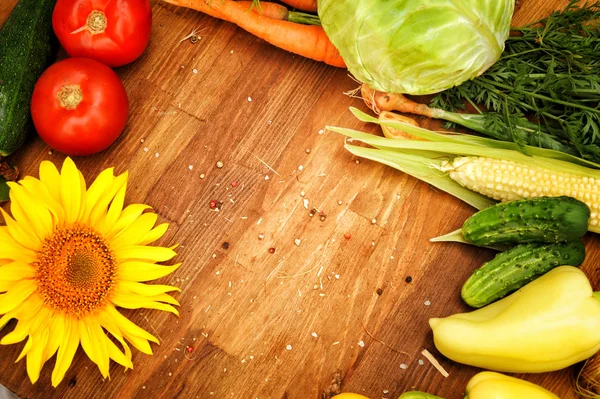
[304, 5]
[267, 9]
[379, 101]
[309, 41]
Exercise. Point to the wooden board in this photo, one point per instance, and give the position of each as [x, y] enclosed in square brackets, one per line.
[287, 324]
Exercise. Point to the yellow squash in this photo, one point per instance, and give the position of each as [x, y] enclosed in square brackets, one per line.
[551, 323]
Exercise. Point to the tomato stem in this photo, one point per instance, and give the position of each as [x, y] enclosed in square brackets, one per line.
[69, 96]
[96, 23]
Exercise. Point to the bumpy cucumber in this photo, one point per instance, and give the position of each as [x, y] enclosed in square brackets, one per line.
[27, 46]
[512, 269]
[543, 219]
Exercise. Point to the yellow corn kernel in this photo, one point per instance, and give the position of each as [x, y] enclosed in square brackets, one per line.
[505, 180]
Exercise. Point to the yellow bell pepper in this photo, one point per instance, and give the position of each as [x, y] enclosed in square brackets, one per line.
[349, 395]
[490, 385]
[551, 323]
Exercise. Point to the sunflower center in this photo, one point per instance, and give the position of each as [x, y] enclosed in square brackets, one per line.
[75, 270]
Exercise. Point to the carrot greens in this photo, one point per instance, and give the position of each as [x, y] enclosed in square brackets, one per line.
[544, 90]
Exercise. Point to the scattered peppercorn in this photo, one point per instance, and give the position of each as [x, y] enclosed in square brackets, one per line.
[379, 291]
[271, 250]
[213, 204]
[347, 236]
[225, 245]
[234, 183]
[189, 349]
[408, 279]
[322, 217]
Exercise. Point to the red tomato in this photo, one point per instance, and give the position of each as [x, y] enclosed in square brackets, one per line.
[114, 32]
[79, 106]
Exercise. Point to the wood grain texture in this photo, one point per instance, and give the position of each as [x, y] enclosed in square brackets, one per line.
[250, 314]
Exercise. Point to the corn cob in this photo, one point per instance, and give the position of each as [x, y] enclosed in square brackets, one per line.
[478, 170]
[506, 180]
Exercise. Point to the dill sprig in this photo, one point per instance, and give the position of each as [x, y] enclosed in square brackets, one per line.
[545, 89]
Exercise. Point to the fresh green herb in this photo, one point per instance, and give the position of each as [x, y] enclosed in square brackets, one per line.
[545, 89]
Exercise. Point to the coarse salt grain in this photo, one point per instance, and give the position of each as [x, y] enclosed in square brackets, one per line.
[297, 241]
[300, 167]
[266, 177]
[321, 131]
[421, 362]
[314, 334]
[249, 99]
[145, 149]
[195, 70]
[156, 155]
[202, 175]
[403, 366]
[289, 347]
[191, 167]
[361, 343]
[427, 302]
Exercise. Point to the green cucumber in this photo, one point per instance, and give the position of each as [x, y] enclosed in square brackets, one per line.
[512, 269]
[27, 47]
[543, 219]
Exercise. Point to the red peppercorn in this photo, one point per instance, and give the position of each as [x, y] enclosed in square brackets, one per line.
[234, 183]
[271, 250]
[189, 349]
[213, 204]
[347, 236]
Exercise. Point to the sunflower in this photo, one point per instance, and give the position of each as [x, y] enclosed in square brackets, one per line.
[69, 256]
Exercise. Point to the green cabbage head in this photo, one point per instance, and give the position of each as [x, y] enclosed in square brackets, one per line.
[417, 46]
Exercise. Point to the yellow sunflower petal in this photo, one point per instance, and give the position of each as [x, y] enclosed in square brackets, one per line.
[118, 356]
[140, 252]
[93, 343]
[17, 294]
[115, 208]
[22, 235]
[128, 216]
[50, 177]
[98, 188]
[143, 271]
[29, 211]
[35, 357]
[98, 212]
[29, 308]
[5, 319]
[108, 323]
[136, 230]
[26, 349]
[145, 289]
[129, 301]
[154, 234]
[57, 332]
[15, 271]
[131, 331]
[66, 351]
[71, 191]
[11, 249]
[35, 187]
[17, 335]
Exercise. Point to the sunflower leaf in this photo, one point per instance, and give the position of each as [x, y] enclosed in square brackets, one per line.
[4, 189]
